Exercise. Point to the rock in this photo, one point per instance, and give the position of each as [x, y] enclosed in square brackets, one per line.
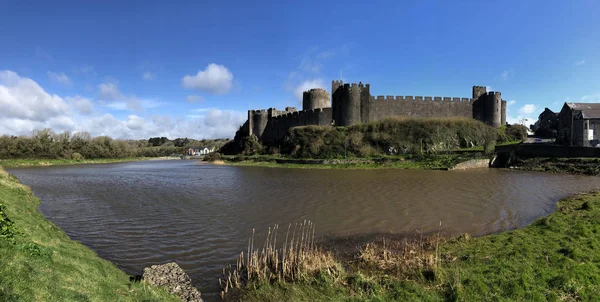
[171, 276]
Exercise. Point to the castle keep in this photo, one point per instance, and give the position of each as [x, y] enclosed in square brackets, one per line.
[351, 104]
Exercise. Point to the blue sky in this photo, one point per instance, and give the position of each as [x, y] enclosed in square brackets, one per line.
[134, 69]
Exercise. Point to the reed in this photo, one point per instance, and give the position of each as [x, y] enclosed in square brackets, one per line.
[295, 259]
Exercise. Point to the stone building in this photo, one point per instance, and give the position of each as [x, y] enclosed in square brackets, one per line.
[351, 104]
[579, 124]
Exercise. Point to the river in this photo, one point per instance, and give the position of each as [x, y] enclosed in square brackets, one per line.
[143, 213]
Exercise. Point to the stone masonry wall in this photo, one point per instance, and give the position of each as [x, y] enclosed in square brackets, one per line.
[381, 107]
[278, 126]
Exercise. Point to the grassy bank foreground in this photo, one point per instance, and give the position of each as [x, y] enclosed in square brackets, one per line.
[556, 258]
[424, 162]
[38, 261]
[15, 163]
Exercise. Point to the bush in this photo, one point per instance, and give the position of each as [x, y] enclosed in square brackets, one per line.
[212, 156]
[76, 156]
[512, 133]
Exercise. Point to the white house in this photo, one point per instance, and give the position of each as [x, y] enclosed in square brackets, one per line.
[205, 150]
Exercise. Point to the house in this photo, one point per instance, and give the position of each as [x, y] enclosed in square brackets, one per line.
[579, 124]
[546, 124]
[199, 151]
[205, 150]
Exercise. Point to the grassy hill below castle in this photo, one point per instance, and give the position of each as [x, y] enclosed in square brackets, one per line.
[392, 136]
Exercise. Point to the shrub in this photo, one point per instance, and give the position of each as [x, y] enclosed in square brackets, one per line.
[76, 156]
[7, 228]
[212, 156]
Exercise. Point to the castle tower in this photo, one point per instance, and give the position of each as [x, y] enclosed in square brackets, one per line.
[488, 109]
[478, 91]
[346, 104]
[315, 98]
[503, 113]
[257, 122]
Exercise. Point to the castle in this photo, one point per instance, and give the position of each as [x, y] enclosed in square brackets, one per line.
[351, 104]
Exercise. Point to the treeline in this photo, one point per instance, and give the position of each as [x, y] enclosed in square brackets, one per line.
[389, 136]
[81, 145]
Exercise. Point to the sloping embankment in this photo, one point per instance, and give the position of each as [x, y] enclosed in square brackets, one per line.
[39, 262]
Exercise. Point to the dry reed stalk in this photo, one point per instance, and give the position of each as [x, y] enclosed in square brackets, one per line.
[295, 260]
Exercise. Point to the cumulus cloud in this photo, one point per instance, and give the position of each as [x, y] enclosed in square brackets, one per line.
[60, 78]
[194, 99]
[216, 79]
[306, 85]
[527, 109]
[26, 106]
[148, 76]
[511, 102]
[23, 98]
[581, 62]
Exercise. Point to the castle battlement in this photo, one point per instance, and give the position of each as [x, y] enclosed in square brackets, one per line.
[402, 98]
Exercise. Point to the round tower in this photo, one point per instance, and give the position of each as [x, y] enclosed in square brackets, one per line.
[346, 106]
[493, 109]
[259, 121]
[315, 98]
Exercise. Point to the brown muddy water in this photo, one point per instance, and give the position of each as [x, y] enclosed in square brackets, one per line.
[144, 213]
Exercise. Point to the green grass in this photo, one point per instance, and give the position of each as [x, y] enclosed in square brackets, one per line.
[586, 166]
[14, 163]
[38, 261]
[556, 258]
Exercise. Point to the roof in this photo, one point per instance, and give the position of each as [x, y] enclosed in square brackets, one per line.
[589, 114]
[584, 106]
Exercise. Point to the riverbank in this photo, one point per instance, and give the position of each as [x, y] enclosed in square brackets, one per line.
[553, 259]
[583, 166]
[39, 262]
[429, 162]
[15, 163]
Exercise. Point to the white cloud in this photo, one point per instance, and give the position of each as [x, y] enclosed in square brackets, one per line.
[135, 122]
[511, 102]
[527, 109]
[215, 79]
[581, 62]
[23, 98]
[110, 92]
[526, 114]
[112, 97]
[306, 85]
[194, 98]
[60, 78]
[26, 106]
[148, 76]
[82, 105]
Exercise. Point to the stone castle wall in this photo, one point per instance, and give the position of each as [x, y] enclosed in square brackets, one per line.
[278, 126]
[381, 107]
[352, 104]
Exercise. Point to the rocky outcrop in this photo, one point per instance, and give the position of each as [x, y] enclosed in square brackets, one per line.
[171, 276]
